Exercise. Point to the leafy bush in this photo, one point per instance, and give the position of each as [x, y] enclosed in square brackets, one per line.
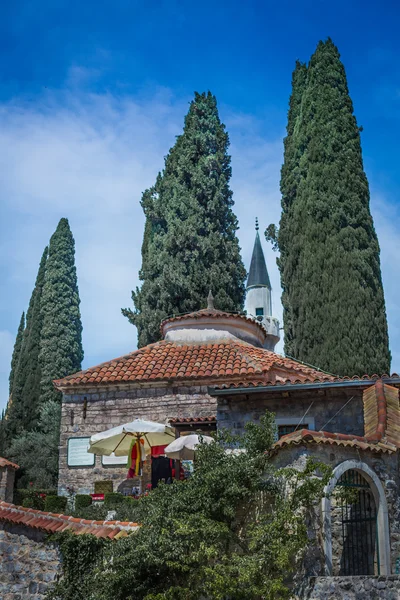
[37, 451]
[94, 512]
[82, 501]
[55, 504]
[33, 501]
[38, 495]
[211, 536]
[113, 500]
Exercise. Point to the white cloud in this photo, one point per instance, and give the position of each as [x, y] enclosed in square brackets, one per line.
[89, 157]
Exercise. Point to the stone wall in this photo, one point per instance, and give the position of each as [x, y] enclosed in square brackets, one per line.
[7, 476]
[352, 588]
[92, 412]
[28, 565]
[235, 411]
[386, 468]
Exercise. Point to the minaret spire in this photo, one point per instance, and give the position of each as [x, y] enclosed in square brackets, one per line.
[258, 293]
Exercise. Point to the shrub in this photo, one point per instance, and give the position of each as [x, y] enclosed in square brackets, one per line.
[20, 494]
[55, 504]
[94, 512]
[32, 499]
[82, 501]
[113, 499]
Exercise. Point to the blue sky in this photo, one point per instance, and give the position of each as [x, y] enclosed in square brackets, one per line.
[92, 95]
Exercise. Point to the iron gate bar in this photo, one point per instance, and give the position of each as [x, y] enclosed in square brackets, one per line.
[359, 527]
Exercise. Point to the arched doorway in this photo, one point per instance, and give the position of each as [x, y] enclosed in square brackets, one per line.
[355, 545]
[355, 522]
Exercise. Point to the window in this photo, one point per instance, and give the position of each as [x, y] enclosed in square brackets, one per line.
[285, 429]
[259, 312]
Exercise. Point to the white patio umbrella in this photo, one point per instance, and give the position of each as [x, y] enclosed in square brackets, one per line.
[118, 440]
[184, 447]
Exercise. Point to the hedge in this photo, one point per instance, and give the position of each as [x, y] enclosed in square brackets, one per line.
[113, 499]
[82, 501]
[55, 504]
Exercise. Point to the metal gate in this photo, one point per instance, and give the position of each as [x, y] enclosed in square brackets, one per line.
[360, 551]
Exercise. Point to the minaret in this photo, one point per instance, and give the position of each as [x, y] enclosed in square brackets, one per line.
[258, 294]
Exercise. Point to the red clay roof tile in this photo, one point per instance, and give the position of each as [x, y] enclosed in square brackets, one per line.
[306, 436]
[6, 463]
[170, 360]
[51, 523]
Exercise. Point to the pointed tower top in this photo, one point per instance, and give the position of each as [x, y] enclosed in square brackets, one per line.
[258, 274]
[210, 301]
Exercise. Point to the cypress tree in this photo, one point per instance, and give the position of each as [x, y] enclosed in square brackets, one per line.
[329, 263]
[16, 353]
[24, 410]
[61, 350]
[30, 393]
[190, 244]
[289, 180]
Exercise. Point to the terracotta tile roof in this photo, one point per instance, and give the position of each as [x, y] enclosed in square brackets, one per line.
[305, 436]
[172, 361]
[6, 463]
[382, 413]
[192, 420]
[322, 378]
[211, 313]
[51, 523]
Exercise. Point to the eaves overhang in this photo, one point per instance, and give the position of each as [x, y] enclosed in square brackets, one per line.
[293, 387]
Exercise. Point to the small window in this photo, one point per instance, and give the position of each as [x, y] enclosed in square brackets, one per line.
[259, 312]
[285, 429]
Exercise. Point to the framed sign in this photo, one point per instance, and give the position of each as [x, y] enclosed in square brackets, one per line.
[77, 453]
[114, 460]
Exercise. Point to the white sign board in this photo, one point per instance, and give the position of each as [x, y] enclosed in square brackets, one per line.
[114, 460]
[78, 455]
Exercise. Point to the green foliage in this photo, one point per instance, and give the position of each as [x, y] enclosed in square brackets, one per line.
[32, 499]
[112, 499]
[16, 352]
[81, 556]
[95, 512]
[21, 494]
[334, 309]
[61, 350]
[55, 504]
[211, 536]
[23, 413]
[37, 451]
[3, 434]
[82, 501]
[190, 244]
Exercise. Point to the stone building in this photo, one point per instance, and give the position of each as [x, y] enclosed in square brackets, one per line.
[7, 476]
[216, 369]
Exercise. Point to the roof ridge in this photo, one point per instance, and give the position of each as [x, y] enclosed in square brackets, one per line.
[52, 522]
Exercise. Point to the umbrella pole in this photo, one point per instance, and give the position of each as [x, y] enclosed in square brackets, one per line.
[177, 462]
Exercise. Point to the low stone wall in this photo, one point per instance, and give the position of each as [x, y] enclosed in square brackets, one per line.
[28, 565]
[352, 588]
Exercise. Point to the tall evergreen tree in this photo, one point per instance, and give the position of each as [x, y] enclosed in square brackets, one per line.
[330, 265]
[30, 393]
[61, 350]
[190, 243]
[16, 353]
[23, 412]
[289, 180]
